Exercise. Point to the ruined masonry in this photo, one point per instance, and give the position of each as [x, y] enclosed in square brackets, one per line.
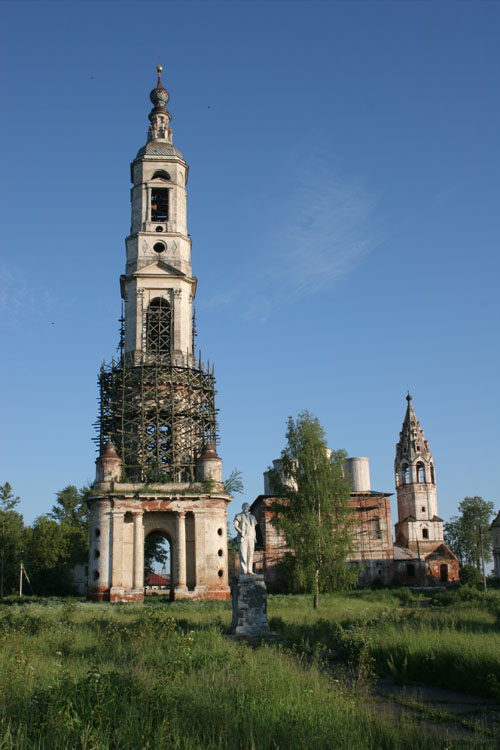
[419, 555]
[158, 469]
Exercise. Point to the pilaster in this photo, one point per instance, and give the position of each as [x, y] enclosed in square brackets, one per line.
[117, 555]
[180, 556]
[138, 572]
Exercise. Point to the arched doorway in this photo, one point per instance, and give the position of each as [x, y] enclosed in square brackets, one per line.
[158, 573]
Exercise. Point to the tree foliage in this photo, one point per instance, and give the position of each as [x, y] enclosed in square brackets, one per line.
[48, 557]
[57, 542]
[234, 483]
[11, 540]
[155, 551]
[462, 535]
[71, 507]
[312, 510]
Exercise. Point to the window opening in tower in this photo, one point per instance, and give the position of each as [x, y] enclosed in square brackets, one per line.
[406, 474]
[159, 204]
[158, 327]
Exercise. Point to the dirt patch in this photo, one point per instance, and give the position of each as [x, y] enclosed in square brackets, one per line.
[445, 713]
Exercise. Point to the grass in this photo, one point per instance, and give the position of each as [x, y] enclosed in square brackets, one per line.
[102, 677]
[455, 643]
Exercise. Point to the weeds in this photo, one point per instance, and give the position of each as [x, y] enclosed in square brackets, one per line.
[107, 677]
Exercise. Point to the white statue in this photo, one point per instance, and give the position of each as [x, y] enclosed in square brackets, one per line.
[245, 524]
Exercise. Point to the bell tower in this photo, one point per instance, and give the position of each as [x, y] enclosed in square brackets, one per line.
[418, 523]
[157, 403]
[158, 288]
[158, 470]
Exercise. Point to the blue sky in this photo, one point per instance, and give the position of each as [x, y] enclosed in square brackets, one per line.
[343, 205]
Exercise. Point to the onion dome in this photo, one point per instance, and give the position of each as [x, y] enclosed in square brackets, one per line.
[159, 96]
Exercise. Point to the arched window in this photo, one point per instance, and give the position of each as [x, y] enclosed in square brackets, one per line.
[159, 204]
[160, 174]
[433, 478]
[406, 473]
[158, 327]
[420, 472]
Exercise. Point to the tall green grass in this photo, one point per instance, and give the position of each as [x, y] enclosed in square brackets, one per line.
[137, 677]
[454, 643]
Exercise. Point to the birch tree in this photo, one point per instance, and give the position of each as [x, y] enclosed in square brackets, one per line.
[312, 510]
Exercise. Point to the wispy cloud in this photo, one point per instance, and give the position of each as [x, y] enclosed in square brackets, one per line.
[327, 228]
[331, 227]
[20, 300]
[323, 226]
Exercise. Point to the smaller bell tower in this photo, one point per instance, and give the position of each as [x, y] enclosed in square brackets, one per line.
[419, 525]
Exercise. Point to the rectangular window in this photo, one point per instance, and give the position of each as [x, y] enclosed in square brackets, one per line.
[410, 570]
[159, 204]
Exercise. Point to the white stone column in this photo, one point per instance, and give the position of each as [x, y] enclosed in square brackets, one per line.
[117, 552]
[180, 556]
[200, 552]
[178, 321]
[99, 553]
[138, 577]
[147, 212]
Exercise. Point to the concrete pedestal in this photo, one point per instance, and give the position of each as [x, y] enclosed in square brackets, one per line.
[249, 598]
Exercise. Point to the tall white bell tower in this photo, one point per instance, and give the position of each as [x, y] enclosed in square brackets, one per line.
[158, 287]
[158, 470]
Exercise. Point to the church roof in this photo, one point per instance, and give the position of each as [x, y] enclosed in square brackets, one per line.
[403, 553]
[159, 148]
[441, 550]
[495, 522]
[412, 442]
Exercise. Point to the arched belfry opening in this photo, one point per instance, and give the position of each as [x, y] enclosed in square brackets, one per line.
[159, 327]
[158, 468]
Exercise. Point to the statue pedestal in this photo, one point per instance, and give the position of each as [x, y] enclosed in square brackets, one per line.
[249, 596]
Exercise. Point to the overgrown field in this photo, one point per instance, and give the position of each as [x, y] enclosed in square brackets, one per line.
[453, 643]
[96, 676]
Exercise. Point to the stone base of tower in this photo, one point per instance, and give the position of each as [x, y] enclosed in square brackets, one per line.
[192, 521]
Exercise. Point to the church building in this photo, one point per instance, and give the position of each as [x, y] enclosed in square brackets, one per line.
[418, 556]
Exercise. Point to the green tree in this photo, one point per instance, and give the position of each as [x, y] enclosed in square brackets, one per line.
[312, 510]
[234, 483]
[71, 513]
[155, 551]
[48, 552]
[57, 542]
[462, 534]
[71, 507]
[11, 539]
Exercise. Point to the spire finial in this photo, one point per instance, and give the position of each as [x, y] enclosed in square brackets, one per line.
[159, 116]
